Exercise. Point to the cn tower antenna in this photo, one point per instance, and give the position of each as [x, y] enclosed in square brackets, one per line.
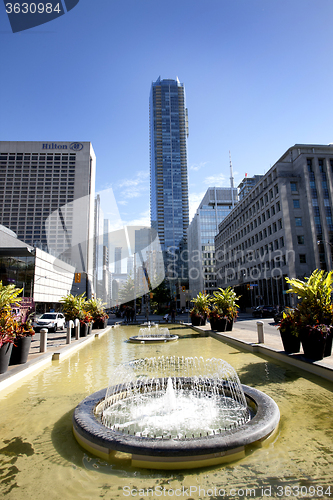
[231, 182]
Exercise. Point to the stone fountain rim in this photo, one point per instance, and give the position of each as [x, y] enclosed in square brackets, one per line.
[265, 421]
[138, 339]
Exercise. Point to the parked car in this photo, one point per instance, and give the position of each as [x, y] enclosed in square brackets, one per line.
[264, 312]
[51, 321]
[279, 315]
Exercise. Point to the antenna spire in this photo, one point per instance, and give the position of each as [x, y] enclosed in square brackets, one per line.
[231, 182]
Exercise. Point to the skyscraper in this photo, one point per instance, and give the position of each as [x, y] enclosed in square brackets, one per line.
[168, 163]
[214, 207]
[47, 194]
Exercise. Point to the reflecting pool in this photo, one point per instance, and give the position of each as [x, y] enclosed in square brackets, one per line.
[40, 459]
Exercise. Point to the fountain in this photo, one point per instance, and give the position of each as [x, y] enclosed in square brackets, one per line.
[153, 335]
[175, 413]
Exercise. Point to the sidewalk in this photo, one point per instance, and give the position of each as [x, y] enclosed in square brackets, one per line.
[272, 347]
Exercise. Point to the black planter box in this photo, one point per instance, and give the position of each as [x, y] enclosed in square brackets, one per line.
[5, 352]
[290, 342]
[20, 351]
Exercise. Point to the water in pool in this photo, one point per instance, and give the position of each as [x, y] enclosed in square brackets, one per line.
[40, 459]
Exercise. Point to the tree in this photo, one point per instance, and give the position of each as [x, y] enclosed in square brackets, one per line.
[161, 294]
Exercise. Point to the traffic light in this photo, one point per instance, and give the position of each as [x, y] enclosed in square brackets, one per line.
[248, 287]
[77, 278]
[184, 288]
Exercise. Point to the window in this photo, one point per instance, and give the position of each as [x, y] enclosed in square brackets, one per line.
[300, 239]
[293, 186]
[296, 204]
[298, 221]
[302, 258]
[280, 223]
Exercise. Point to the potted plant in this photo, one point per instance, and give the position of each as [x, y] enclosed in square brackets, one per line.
[289, 331]
[7, 335]
[200, 309]
[314, 310]
[85, 319]
[225, 308]
[72, 306]
[96, 308]
[9, 296]
[23, 337]
[315, 341]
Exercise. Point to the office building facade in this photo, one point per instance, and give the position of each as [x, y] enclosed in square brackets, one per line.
[168, 162]
[214, 207]
[247, 184]
[47, 197]
[282, 228]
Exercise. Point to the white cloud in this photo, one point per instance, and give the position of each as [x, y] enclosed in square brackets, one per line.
[134, 187]
[194, 202]
[215, 180]
[198, 166]
[142, 220]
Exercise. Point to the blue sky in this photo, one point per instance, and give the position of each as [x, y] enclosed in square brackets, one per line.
[258, 78]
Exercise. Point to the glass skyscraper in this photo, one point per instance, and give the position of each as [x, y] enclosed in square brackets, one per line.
[168, 163]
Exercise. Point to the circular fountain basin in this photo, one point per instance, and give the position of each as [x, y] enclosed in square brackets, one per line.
[255, 418]
[152, 339]
[153, 335]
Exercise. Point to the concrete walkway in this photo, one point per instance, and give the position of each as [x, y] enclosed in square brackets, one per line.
[272, 347]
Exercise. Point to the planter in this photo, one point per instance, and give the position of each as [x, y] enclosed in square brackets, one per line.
[100, 323]
[5, 352]
[230, 324]
[213, 322]
[84, 329]
[20, 350]
[314, 345]
[221, 325]
[290, 342]
[328, 345]
[197, 320]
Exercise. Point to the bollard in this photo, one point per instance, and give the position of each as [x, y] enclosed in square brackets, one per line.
[69, 333]
[260, 330]
[43, 340]
[77, 328]
[69, 330]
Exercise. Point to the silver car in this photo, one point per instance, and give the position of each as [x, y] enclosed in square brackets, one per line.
[51, 321]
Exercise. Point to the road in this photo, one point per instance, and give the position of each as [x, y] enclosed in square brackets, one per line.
[248, 323]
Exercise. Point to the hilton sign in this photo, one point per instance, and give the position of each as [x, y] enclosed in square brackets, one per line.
[75, 146]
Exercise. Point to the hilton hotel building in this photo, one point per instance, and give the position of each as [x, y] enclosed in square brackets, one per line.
[47, 192]
[282, 228]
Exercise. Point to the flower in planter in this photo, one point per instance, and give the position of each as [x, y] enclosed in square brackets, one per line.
[25, 328]
[8, 327]
[85, 317]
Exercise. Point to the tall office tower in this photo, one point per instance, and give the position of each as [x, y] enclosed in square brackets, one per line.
[47, 194]
[247, 184]
[117, 260]
[168, 163]
[214, 207]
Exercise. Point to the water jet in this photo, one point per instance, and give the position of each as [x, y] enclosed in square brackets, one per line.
[152, 405]
[153, 335]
